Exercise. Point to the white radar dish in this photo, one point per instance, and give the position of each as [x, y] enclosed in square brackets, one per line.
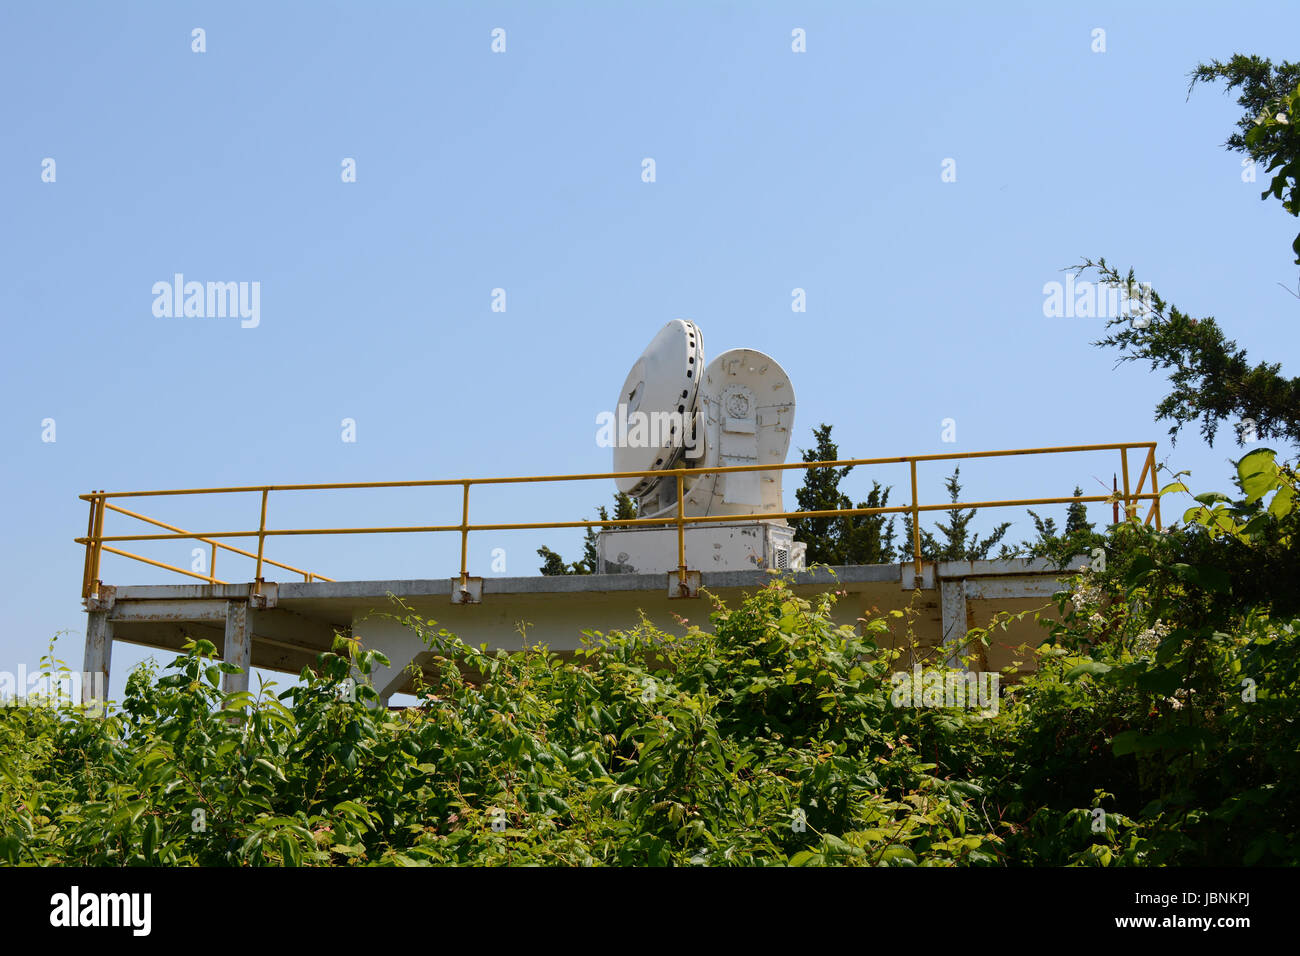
[747, 412]
[656, 403]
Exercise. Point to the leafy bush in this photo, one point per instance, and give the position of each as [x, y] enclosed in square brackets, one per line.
[768, 739]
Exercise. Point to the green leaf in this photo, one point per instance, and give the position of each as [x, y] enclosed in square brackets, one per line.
[1094, 668]
[267, 765]
[1283, 502]
[1258, 473]
[897, 852]
[1125, 743]
[150, 838]
[9, 847]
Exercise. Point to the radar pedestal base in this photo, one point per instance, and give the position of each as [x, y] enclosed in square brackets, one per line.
[732, 546]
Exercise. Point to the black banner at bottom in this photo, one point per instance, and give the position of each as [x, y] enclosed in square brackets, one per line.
[149, 906]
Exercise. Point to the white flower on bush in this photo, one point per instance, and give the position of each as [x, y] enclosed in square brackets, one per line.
[1086, 595]
[1147, 641]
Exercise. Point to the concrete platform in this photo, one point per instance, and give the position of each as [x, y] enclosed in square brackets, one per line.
[286, 627]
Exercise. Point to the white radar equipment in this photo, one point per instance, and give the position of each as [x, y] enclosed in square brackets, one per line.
[674, 411]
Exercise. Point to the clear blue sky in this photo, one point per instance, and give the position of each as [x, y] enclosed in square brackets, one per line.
[522, 171]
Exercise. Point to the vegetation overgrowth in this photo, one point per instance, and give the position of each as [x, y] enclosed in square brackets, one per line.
[1159, 728]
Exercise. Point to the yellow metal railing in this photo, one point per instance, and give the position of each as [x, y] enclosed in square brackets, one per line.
[95, 539]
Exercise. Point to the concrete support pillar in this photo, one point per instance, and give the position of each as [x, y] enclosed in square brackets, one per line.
[238, 648]
[952, 604]
[99, 655]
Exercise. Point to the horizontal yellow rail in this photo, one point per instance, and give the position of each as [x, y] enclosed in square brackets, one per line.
[95, 540]
[162, 564]
[212, 563]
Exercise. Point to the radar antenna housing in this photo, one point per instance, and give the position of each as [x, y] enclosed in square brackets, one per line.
[675, 411]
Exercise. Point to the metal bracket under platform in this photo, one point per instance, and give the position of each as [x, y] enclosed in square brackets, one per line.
[683, 585]
[264, 595]
[909, 580]
[102, 598]
[466, 590]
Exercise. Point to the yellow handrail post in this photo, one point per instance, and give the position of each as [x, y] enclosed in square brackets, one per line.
[1129, 510]
[681, 531]
[98, 543]
[261, 543]
[464, 539]
[1142, 481]
[85, 571]
[916, 523]
[212, 565]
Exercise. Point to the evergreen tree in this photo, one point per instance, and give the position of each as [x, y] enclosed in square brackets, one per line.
[929, 546]
[959, 543]
[1077, 539]
[854, 539]
[553, 563]
[1212, 382]
[624, 507]
[1076, 516]
[589, 561]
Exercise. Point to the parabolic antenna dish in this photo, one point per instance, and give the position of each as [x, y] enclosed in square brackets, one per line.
[747, 412]
[656, 402]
